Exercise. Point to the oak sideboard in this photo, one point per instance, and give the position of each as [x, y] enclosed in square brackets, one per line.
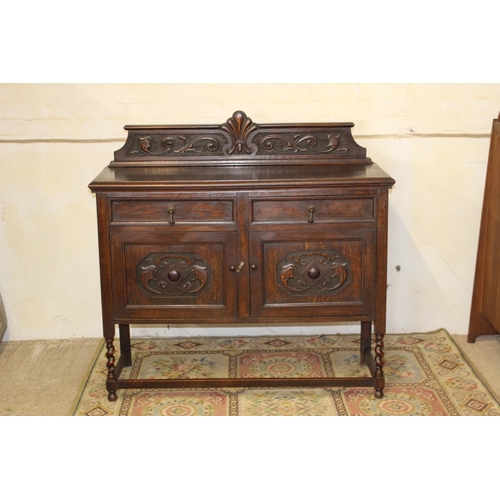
[242, 223]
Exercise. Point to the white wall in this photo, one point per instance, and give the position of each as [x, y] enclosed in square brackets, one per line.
[55, 138]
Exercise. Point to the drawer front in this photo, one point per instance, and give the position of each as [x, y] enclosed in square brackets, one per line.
[178, 211]
[313, 210]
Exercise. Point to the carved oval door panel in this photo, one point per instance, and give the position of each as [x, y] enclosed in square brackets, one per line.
[313, 272]
[159, 275]
[319, 272]
[173, 274]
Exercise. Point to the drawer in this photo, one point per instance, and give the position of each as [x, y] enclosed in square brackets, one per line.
[313, 210]
[191, 211]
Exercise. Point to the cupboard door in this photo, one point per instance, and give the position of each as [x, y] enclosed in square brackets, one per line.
[165, 275]
[309, 273]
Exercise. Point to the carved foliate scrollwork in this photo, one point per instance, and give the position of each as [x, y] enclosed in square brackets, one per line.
[299, 143]
[239, 136]
[190, 145]
[183, 144]
[313, 272]
[172, 274]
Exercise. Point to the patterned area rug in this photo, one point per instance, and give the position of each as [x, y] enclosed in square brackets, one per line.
[426, 375]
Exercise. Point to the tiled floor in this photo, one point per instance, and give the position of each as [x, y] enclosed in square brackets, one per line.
[43, 377]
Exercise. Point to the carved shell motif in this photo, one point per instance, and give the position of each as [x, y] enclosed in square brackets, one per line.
[239, 127]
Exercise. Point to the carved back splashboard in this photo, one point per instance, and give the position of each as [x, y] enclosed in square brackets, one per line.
[240, 141]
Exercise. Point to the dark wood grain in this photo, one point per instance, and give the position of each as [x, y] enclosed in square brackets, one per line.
[139, 178]
[240, 141]
[485, 307]
[313, 210]
[209, 383]
[185, 211]
[243, 224]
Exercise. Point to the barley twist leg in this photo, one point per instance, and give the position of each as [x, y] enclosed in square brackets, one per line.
[111, 379]
[379, 373]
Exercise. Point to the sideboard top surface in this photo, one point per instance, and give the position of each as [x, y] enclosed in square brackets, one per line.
[111, 179]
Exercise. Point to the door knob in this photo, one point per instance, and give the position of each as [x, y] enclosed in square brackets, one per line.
[237, 269]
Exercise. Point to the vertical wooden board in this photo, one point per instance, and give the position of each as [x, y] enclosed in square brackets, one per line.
[491, 296]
